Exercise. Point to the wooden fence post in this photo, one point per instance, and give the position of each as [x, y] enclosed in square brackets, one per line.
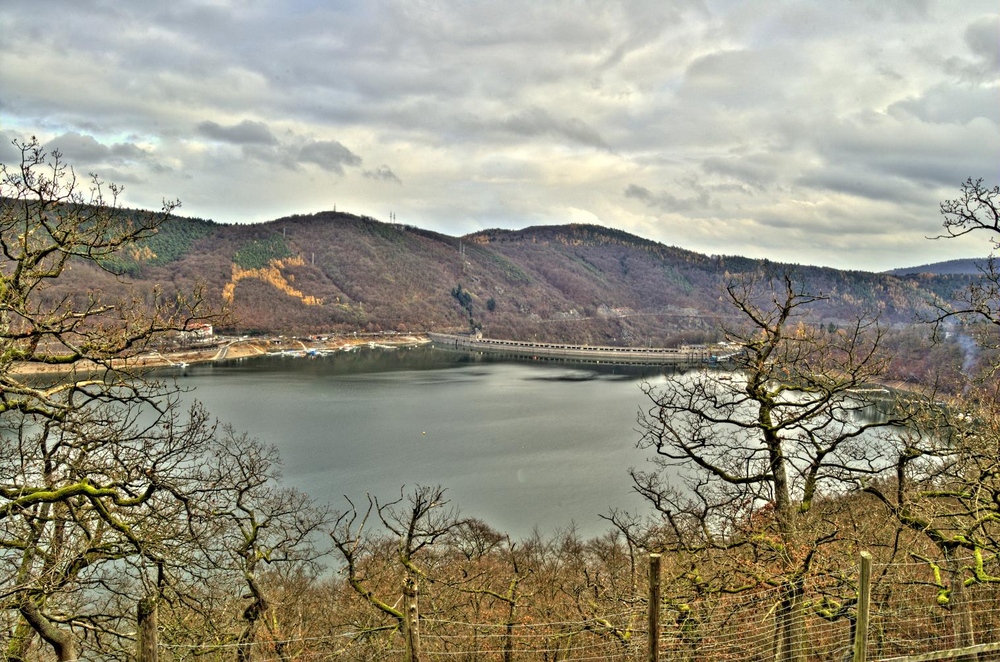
[864, 595]
[654, 608]
[146, 617]
[411, 620]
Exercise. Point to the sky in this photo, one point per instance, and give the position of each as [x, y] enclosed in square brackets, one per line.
[814, 131]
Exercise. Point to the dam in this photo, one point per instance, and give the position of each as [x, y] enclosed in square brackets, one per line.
[581, 353]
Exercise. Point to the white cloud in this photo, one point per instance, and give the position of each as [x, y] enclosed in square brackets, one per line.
[728, 127]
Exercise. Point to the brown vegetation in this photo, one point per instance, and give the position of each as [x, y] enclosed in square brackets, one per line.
[111, 497]
[577, 283]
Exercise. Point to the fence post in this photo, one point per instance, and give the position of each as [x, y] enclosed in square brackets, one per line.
[146, 617]
[654, 608]
[864, 595]
[411, 620]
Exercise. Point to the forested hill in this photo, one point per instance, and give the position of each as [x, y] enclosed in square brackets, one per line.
[335, 271]
[967, 267]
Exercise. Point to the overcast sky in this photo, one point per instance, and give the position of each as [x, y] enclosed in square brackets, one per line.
[814, 131]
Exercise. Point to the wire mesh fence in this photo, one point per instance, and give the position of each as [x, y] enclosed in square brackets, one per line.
[912, 616]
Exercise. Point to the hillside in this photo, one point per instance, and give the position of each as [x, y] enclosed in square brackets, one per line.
[338, 272]
[965, 267]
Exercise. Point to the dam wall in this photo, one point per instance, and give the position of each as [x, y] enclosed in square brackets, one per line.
[585, 353]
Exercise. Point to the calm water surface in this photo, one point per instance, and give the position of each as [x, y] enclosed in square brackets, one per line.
[518, 445]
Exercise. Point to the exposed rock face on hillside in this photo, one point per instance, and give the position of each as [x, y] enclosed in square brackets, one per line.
[334, 271]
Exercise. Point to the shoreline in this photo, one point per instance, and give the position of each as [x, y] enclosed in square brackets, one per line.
[228, 350]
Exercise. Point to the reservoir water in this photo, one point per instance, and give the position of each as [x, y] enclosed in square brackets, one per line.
[517, 444]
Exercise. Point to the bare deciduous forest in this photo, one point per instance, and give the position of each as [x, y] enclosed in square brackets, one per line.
[126, 520]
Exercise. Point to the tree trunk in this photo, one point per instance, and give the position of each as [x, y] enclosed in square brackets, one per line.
[251, 615]
[961, 615]
[146, 617]
[62, 641]
[789, 625]
[411, 620]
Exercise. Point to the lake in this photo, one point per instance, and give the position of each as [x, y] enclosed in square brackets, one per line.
[518, 444]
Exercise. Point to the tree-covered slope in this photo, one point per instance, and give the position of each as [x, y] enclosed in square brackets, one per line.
[335, 271]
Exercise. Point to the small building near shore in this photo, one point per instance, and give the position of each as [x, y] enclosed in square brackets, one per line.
[198, 331]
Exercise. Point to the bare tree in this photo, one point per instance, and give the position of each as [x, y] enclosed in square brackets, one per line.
[945, 486]
[743, 458]
[93, 455]
[976, 210]
[48, 222]
[946, 490]
[483, 550]
[415, 522]
[257, 524]
[90, 508]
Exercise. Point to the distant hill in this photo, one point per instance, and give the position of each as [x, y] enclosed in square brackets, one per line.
[964, 267]
[339, 272]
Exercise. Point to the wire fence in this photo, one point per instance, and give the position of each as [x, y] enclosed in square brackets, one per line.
[912, 615]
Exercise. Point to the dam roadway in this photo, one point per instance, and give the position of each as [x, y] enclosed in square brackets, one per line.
[582, 353]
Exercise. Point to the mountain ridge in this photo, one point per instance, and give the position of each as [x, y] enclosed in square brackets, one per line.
[969, 266]
[335, 271]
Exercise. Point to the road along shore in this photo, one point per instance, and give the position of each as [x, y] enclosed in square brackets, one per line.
[226, 349]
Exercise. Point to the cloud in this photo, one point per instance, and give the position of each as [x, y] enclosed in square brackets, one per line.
[757, 171]
[246, 132]
[744, 78]
[383, 173]
[9, 154]
[928, 154]
[119, 176]
[860, 184]
[329, 155]
[952, 103]
[80, 148]
[666, 201]
[983, 39]
[537, 121]
[701, 123]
